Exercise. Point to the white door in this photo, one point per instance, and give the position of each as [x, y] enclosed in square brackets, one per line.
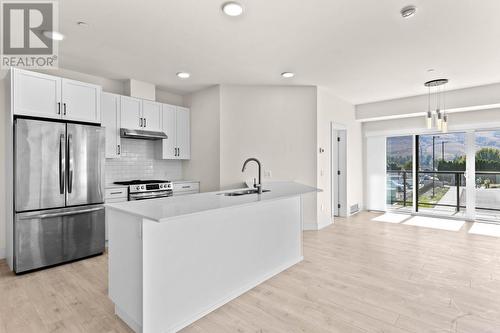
[37, 95]
[182, 127]
[81, 101]
[130, 113]
[169, 148]
[151, 114]
[110, 112]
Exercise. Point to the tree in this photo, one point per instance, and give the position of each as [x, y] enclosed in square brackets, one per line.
[488, 154]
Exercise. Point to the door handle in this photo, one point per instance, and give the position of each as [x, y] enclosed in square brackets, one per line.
[62, 163]
[70, 163]
[64, 107]
[80, 211]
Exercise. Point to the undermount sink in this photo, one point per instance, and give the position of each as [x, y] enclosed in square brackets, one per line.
[242, 192]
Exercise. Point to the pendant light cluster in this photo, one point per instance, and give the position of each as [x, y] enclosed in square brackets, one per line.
[439, 118]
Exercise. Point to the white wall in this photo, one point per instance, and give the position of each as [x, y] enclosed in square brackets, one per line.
[276, 124]
[109, 85]
[205, 139]
[457, 121]
[333, 109]
[455, 99]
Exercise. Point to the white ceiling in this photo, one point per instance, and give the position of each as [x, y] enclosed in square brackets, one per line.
[363, 49]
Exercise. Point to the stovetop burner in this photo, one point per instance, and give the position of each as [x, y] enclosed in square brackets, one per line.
[140, 182]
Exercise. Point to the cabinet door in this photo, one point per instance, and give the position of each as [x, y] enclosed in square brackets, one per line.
[151, 114]
[110, 113]
[183, 133]
[130, 113]
[36, 95]
[169, 148]
[81, 101]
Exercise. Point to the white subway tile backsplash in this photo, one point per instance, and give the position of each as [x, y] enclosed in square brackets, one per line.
[138, 161]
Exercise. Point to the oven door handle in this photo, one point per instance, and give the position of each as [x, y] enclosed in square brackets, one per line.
[149, 196]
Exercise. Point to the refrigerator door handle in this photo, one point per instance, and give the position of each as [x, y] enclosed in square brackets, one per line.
[49, 215]
[62, 163]
[70, 160]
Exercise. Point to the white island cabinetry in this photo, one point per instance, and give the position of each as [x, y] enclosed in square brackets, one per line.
[155, 289]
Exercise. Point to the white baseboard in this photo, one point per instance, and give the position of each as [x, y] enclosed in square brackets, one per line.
[136, 327]
[324, 225]
[2, 252]
[233, 295]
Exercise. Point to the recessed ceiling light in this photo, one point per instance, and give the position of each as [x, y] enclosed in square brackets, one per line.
[53, 35]
[430, 70]
[287, 75]
[408, 11]
[232, 8]
[82, 24]
[183, 75]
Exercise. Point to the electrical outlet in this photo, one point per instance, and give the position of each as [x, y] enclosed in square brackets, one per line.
[268, 173]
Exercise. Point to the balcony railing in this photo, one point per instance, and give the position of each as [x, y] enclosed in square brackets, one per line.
[442, 189]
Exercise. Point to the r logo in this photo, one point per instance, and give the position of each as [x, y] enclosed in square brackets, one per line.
[23, 27]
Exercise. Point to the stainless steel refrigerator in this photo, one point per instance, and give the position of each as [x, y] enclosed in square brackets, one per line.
[59, 184]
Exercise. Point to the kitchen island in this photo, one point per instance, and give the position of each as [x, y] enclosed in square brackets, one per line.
[174, 260]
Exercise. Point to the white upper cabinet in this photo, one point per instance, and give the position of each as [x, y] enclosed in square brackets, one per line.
[110, 113]
[169, 148]
[183, 133]
[81, 101]
[35, 94]
[176, 125]
[151, 115]
[47, 96]
[131, 113]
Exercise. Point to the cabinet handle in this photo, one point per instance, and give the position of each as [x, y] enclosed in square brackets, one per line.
[64, 104]
[58, 107]
[145, 122]
[119, 150]
[175, 151]
[115, 192]
[140, 122]
[178, 152]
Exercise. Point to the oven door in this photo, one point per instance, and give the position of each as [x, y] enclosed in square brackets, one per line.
[149, 195]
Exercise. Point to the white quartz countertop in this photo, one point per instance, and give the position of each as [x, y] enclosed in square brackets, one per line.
[163, 209]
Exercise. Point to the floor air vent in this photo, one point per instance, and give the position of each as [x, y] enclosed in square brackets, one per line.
[354, 209]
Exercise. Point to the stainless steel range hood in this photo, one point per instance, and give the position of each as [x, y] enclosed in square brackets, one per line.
[141, 134]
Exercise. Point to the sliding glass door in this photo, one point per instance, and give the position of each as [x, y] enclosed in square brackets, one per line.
[428, 173]
[399, 186]
[441, 166]
[487, 178]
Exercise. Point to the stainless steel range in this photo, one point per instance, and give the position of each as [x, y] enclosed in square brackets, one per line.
[148, 189]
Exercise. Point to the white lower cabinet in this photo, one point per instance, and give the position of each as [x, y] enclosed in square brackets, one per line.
[110, 109]
[113, 195]
[185, 187]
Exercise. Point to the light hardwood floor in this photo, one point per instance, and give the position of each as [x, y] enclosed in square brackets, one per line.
[357, 276]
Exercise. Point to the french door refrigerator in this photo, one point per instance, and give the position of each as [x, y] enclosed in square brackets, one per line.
[58, 193]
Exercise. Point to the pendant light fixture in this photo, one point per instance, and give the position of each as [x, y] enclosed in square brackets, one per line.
[441, 116]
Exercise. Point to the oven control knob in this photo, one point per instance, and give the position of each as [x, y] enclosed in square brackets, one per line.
[137, 187]
[162, 186]
[142, 187]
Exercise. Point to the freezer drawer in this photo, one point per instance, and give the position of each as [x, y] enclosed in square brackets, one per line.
[46, 238]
